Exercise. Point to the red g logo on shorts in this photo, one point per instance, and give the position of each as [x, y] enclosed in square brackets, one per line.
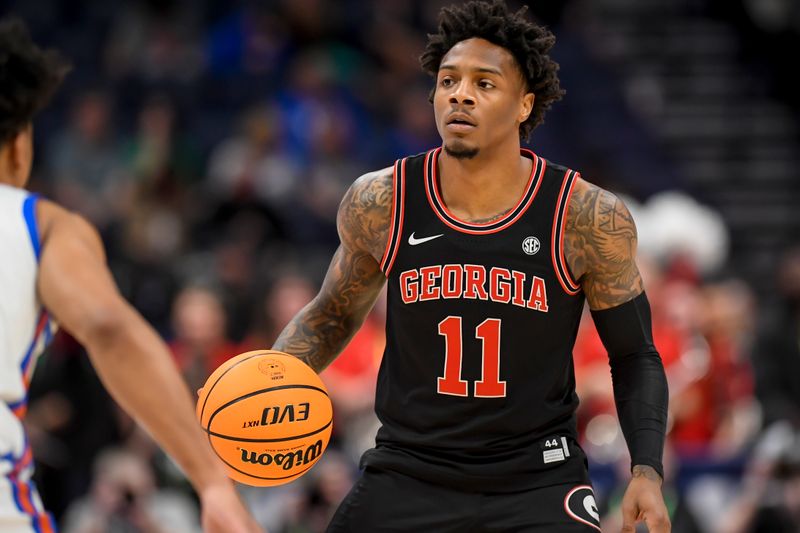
[580, 505]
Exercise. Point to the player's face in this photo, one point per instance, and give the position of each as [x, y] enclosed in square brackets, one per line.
[480, 98]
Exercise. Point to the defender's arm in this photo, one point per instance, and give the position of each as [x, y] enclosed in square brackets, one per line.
[75, 285]
[319, 332]
[600, 247]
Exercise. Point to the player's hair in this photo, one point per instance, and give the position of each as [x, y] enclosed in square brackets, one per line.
[527, 41]
[28, 77]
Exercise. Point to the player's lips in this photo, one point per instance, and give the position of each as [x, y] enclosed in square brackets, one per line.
[460, 122]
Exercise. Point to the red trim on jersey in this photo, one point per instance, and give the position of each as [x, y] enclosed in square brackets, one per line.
[26, 367]
[392, 235]
[440, 208]
[22, 463]
[483, 224]
[22, 492]
[46, 523]
[557, 239]
[402, 180]
[23, 497]
[573, 284]
[20, 411]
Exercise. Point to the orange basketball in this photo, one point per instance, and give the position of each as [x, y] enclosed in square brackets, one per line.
[267, 416]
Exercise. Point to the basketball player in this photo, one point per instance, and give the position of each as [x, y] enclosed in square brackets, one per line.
[489, 251]
[53, 271]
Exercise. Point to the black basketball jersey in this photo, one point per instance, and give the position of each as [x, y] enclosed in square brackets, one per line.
[476, 388]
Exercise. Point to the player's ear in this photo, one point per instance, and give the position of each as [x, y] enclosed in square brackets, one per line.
[526, 107]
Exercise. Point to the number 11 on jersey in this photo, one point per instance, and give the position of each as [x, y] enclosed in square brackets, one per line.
[451, 383]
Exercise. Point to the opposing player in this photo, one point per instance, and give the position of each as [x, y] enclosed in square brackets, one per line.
[53, 271]
[490, 252]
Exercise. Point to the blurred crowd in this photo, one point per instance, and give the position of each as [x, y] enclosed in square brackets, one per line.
[211, 143]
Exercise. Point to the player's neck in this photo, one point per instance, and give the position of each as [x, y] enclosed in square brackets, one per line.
[6, 172]
[483, 186]
[6, 177]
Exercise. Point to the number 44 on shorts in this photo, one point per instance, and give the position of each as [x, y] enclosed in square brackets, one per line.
[554, 449]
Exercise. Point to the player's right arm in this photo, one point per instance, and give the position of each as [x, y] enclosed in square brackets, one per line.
[77, 288]
[322, 329]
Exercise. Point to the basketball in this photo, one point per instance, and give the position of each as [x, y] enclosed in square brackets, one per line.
[267, 416]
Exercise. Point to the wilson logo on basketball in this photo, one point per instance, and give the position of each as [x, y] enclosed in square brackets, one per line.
[287, 461]
[280, 415]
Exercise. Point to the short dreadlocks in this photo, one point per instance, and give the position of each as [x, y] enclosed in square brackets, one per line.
[28, 77]
[528, 43]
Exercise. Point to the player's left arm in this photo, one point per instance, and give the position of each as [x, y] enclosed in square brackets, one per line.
[600, 249]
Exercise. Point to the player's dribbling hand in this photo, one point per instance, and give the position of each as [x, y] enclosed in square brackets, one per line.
[224, 512]
[643, 502]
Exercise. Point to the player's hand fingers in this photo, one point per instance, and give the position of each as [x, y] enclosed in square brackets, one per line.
[223, 511]
[657, 522]
[628, 518]
[230, 524]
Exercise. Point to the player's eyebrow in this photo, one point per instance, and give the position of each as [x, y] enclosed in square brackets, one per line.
[487, 70]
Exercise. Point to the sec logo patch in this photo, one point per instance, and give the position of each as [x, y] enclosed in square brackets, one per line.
[580, 505]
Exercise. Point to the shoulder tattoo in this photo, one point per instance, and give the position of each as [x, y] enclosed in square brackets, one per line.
[600, 246]
[365, 213]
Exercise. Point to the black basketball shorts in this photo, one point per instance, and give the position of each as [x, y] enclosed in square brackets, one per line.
[385, 501]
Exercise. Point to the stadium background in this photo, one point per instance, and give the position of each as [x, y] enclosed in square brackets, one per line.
[211, 143]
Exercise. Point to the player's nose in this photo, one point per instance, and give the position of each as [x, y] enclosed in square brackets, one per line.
[462, 96]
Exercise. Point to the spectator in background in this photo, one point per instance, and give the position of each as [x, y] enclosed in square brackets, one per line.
[713, 408]
[154, 42]
[305, 505]
[254, 163]
[331, 166]
[200, 343]
[154, 201]
[251, 40]
[124, 499]
[287, 295]
[330, 482]
[84, 160]
[324, 126]
[413, 129]
[160, 157]
[727, 310]
[777, 353]
[768, 500]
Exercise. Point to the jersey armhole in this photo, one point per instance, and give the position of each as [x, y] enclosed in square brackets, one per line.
[396, 224]
[29, 212]
[560, 265]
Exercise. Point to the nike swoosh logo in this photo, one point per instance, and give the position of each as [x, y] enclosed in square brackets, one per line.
[413, 241]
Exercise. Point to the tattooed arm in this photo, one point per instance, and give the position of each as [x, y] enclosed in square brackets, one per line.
[319, 332]
[600, 248]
